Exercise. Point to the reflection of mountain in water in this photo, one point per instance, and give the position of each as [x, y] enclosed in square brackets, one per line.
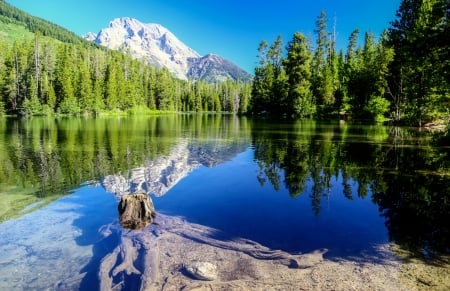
[159, 175]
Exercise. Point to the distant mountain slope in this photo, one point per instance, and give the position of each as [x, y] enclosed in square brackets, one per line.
[160, 47]
[214, 68]
[10, 32]
[12, 15]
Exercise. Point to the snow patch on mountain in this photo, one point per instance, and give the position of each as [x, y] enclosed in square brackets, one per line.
[151, 42]
[90, 36]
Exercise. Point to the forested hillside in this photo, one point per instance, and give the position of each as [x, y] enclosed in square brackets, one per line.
[402, 75]
[10, 14]
[57, 72]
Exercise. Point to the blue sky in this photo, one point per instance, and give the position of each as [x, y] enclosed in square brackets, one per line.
[230, 28]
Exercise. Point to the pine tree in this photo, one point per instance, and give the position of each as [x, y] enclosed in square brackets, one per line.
[64, 87]
[84, 85]
[31, 104]
[111, 87]
[322, 85]
[420, 70]
[298, 71]
[16, 81]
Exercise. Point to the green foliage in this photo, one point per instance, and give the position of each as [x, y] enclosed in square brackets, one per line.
[300, 98]
[142, 110]
[55, 71]
[12, 31]
[323, 70]
[32, 106]
[377, 107]
[404, 76]
[42, 76]
[419, 75]
[263, 82]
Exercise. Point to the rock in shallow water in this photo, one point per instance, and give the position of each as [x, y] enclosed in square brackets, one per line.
[202, 271]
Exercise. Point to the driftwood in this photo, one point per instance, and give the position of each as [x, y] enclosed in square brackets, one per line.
[136, 211]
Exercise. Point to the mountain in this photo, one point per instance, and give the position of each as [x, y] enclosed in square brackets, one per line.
[159, 47]
[214, 68]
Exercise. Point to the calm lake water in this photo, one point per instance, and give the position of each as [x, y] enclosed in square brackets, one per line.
[291, 185]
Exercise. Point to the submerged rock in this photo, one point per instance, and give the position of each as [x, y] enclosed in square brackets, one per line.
[309, 260]
[136, 211]
[202, 271]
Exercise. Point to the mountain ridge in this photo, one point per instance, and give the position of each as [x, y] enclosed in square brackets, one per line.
[158, 46]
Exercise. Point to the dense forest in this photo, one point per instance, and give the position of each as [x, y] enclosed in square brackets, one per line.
[40, 76]
[402, 76]
[56, 72]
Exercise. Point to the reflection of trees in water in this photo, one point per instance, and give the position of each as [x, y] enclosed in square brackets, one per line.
[398, 167]
[44, 158]
[299, 157]
[417, 211]
[55, 155]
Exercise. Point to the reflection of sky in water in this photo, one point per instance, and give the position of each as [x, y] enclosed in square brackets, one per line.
[228, 197]
[53, 243]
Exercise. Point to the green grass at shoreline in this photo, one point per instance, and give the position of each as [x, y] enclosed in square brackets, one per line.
[15, 199]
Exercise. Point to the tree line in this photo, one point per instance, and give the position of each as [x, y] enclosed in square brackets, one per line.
[44, 76]
[402, 76]
[59, 72]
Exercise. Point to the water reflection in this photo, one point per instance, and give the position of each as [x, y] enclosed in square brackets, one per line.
[159, 175]
[407, 176]
[398, 169]
[43, 158]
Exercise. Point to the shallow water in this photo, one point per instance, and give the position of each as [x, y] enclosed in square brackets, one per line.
[290, 186]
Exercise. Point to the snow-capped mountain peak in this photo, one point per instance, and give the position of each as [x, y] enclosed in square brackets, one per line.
[153, 43]
[134, 27]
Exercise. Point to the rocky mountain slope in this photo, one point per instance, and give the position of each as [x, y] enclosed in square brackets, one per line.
[159, 47]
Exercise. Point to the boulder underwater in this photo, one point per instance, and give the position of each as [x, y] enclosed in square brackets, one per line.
[202, 270]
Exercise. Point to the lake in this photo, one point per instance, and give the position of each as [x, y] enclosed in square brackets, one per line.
[261, 190]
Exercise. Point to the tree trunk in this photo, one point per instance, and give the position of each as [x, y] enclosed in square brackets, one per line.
[136, 211]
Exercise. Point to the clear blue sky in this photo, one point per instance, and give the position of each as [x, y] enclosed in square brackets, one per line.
[230, 28]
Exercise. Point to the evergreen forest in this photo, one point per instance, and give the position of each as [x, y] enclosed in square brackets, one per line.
[55, 71]
[401, 75]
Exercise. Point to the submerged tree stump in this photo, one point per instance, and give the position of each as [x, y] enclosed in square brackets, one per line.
[136, 211]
